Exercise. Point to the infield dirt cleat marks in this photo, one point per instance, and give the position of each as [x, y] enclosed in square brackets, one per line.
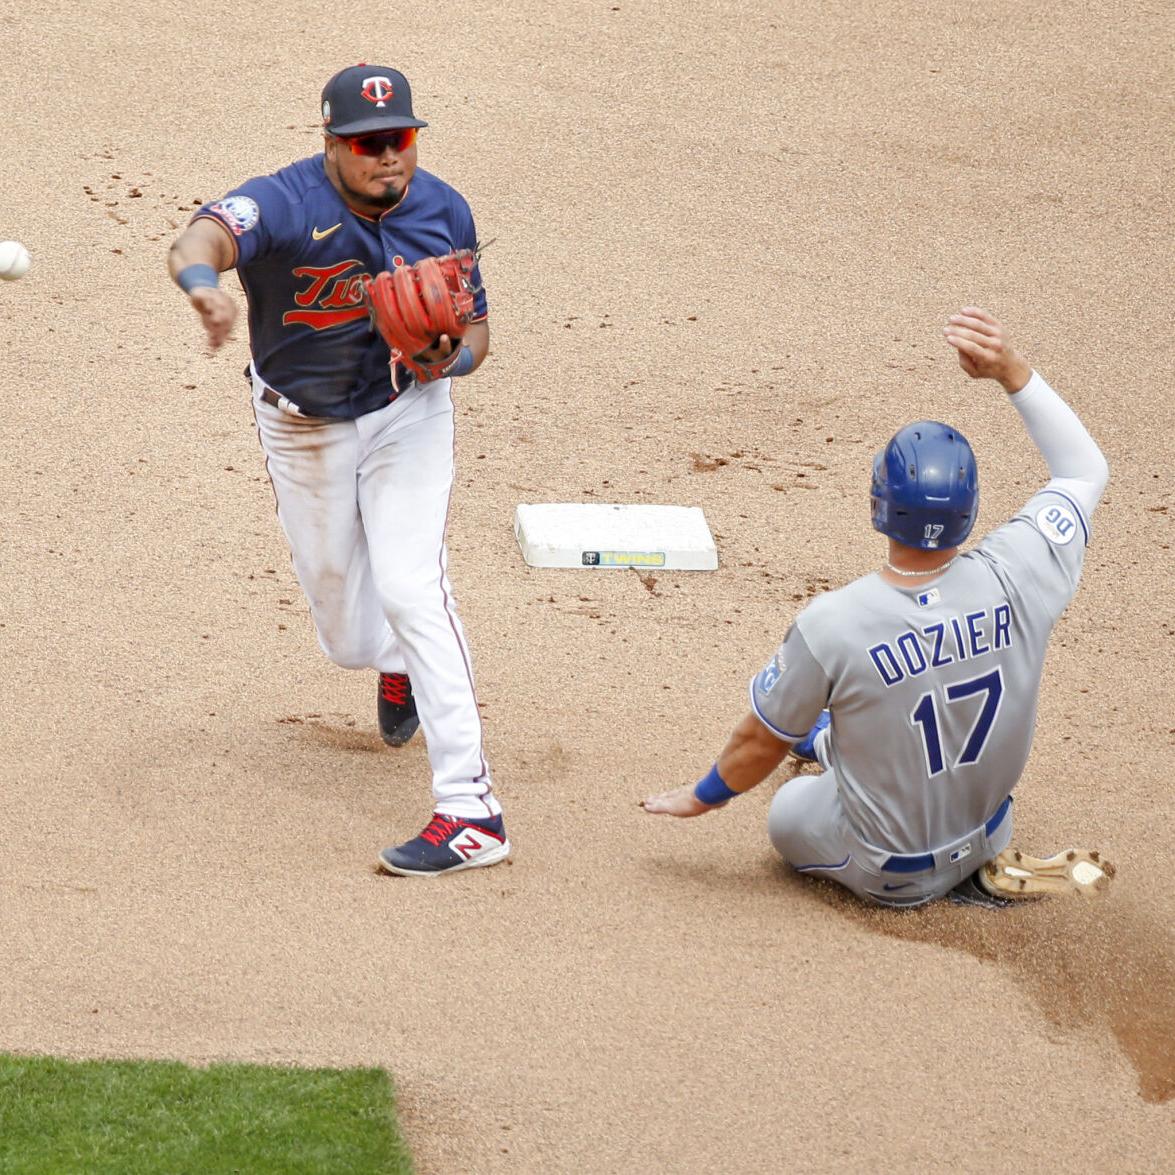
[1071, 871]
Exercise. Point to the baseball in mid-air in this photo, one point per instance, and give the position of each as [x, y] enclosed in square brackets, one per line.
[14, 260]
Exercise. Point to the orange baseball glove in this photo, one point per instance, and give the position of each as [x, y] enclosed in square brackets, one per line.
[414, 305]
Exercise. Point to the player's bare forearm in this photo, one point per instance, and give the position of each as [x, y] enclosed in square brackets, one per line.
[205, 243]
[985, 352]
[476, 338]
[751, 754]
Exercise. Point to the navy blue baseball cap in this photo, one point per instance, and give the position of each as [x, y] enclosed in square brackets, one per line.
[362, 99]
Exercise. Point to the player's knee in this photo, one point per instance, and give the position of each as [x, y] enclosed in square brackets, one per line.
[346, 650]
[403, 598]
[778, 826]
[797, 811]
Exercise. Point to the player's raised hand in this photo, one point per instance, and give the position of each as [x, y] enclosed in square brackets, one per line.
[984, 349]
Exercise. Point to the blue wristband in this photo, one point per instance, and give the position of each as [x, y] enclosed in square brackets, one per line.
[712, 789]
[192, 277]
[464, 364]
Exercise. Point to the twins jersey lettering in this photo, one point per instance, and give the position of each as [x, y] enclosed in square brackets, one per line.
[302, 255]
[933, 691]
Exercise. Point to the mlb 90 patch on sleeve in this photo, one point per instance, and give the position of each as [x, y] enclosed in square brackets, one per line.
[1057, 523]
[239, 213]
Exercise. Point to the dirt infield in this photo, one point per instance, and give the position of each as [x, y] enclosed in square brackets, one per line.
[726, 241]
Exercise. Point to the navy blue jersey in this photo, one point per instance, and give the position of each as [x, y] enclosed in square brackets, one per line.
[301, 256]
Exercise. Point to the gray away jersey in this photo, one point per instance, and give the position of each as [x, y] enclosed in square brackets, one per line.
[933, 689]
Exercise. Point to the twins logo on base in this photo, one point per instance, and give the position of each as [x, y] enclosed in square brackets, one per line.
[14, 260]
[623, 558]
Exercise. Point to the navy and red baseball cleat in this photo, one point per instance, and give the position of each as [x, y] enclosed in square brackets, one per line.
[397, 709]
[805, 749]
[447, 845]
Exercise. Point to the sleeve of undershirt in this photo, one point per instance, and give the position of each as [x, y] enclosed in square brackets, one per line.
[1077, 466]
[1044, 544]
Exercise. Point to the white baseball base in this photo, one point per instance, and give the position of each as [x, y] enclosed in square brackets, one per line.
[570, 534]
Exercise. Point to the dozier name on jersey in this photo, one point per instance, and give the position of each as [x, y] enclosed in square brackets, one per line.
[957, 638]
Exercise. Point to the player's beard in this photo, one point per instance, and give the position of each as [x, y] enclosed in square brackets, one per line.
[389, 199]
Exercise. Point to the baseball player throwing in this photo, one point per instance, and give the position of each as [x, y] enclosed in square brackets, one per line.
[916, 686]
[358, 440]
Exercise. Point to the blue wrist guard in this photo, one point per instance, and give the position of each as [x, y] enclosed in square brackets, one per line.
[712, 789]
[192, 277]
[464, 364]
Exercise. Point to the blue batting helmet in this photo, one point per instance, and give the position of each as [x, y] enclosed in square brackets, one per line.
[925, 486]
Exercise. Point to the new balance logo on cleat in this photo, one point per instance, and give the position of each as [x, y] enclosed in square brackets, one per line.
[468, 846]
[446, 845]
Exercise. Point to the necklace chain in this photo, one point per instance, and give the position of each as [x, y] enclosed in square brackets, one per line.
[929, 571]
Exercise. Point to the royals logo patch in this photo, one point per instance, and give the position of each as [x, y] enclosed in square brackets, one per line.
[771, 675]
[239, 213]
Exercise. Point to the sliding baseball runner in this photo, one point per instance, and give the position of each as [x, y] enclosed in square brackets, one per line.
[916, 686]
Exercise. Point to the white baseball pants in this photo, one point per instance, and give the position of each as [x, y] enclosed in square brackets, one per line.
[364, 505]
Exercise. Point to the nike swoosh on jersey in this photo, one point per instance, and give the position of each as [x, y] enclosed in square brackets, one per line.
[318, 233]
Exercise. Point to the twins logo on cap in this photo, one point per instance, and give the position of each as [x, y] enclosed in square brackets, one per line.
[365, 98]
[377, 90]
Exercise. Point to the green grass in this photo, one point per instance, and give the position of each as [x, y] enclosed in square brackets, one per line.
[134, 1117]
